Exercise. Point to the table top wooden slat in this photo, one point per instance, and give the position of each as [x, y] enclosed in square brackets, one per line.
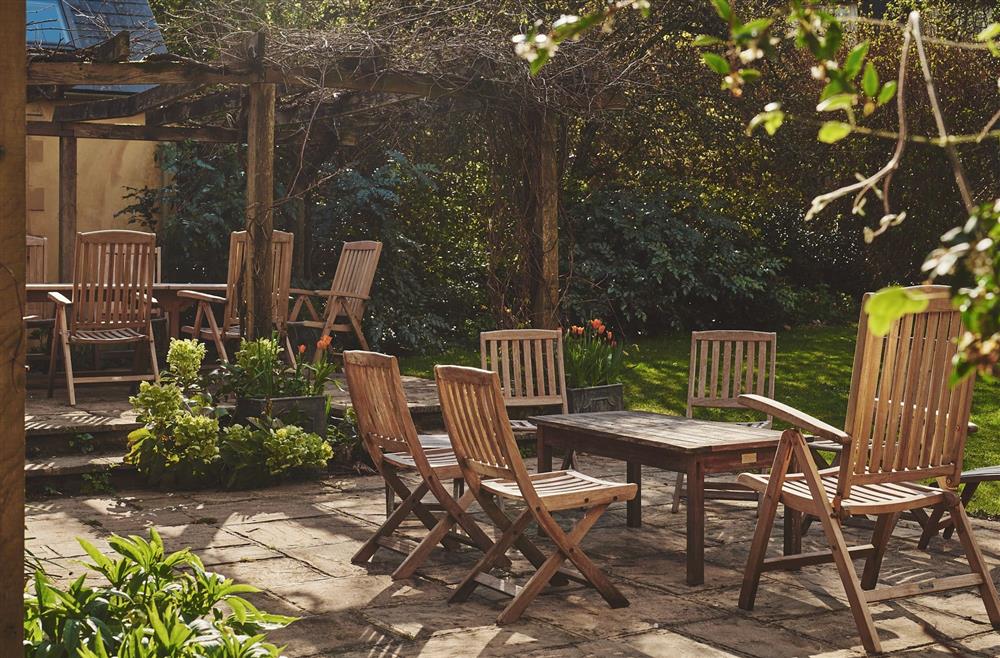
[659, 431]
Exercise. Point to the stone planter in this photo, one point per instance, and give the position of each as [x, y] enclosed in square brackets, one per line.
[308, 412]
[610, 397]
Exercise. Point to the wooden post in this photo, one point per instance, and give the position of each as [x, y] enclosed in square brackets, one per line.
[67, 206]
[260, 209]
[545, 297]
[12, 339]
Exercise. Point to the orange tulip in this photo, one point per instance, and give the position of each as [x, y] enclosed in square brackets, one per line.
[611, 336]
[302, 348]
[324, 342]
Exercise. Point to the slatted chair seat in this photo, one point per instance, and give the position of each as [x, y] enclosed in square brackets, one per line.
[442, 460]
[390, 438]
[124, 335]
[565, 489]
[864, 498]
[205, 333]
[522, 426]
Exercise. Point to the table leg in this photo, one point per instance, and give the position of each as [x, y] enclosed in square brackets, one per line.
[633, 508]
[696, 524]
[172, 307]
[543, 451]
[793, 523]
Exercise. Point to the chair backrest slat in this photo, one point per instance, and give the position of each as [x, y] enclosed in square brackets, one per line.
[478, 425]
[906, 421]
[113, 280]
[282, 244]
[529, 365]
[356, 273]
[36, 271]
[376, 390]
[725, 364]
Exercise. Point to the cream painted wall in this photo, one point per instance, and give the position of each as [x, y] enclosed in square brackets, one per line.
[105, 167]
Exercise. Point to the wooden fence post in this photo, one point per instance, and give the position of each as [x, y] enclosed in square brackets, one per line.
[12, 234]
[260, 209]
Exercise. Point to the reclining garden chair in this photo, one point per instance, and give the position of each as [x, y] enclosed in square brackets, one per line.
[111, 302]
[281, 269]
[347, 296]
[389, 436]
[476, 418]
[905, 424]
[723, 365]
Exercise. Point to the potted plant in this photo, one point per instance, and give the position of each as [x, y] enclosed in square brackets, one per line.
[266, 387]
[594, 365]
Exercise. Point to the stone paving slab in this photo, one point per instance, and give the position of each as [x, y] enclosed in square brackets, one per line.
[295, 542]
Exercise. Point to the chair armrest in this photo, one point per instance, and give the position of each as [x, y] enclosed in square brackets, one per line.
[794, 417]
[201, 296]
[59, 298]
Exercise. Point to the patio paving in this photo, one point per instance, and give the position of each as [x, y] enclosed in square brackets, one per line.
[295, 543]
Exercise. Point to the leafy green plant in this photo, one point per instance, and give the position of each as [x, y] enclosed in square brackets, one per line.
[266, 449]
[153, 604]
[96, 483]
[178, 442]
[259, 371]
[593, 356]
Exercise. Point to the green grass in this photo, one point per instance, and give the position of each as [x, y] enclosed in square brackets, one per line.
[813, 374]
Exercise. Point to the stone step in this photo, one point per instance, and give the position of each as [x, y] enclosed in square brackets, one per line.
[72, 474]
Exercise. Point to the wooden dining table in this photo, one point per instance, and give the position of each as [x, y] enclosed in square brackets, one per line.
[683, 445]
[165, 293]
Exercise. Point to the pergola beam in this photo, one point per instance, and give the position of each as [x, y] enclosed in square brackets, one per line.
[194, 109]
[112, 108]
[133, 132]
[335, 76]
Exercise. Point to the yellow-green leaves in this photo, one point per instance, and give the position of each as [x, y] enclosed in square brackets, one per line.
[833, 131]
[990, 36]
[852, 65]
[716, 63]
[771, 118]
[723, 9]
[869, 82]
[837, 102]
[887, 93]
[890, 304]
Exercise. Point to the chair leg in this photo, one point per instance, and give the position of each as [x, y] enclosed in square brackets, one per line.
[509, 537]
[54, 342]
[419, 510]
[521, 542]
[884, 526]
[220, 344]
[678, 487]
[68, 368]
[930, 528]
[356, 323]
[987, 590]
[967, 493]
[368, 549]
[152, 354]
[767, 510]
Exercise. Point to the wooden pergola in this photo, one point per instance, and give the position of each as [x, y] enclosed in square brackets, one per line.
[184, 91]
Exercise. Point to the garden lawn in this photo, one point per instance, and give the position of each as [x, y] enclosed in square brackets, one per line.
[813, 374]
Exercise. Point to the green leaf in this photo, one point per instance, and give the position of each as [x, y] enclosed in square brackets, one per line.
[703, 40]
[837, 102]
[887, 93]
[749, 75]
[770, 119]
[992, 31]
[890, 304]
[723, 9]
[716, 63]
[833, 131]
[852, 65]
[870, 80]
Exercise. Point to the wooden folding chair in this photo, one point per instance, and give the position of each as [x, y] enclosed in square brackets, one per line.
[281, 273]
[111, 302]
[36, 269]
[905, 424]
[347, 296]
[723, 365]
[389, 436]
[477, 422]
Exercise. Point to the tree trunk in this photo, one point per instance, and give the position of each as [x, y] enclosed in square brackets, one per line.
[257, 278]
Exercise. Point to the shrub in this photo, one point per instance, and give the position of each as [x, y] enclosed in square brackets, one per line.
[266, 449]
[259, 371]
[152, 605]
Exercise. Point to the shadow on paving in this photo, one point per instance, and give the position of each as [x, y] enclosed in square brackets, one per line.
[294, 542]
